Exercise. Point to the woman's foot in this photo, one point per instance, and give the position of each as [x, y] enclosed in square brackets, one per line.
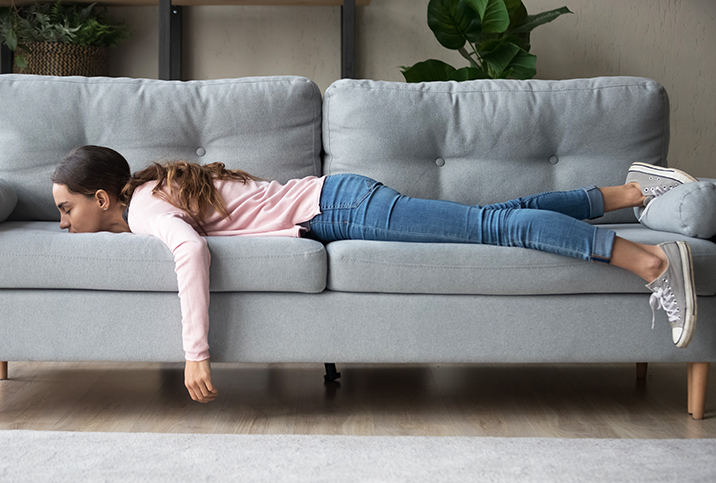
[675, 292]
[656, 180]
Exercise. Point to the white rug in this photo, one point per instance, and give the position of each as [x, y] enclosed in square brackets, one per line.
[59, 456]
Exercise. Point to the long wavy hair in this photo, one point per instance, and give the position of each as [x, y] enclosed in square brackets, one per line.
[189, 186]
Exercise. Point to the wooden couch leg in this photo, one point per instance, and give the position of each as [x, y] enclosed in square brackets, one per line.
[689, 386]
[641, 370]
[697, 377]
[3, 370]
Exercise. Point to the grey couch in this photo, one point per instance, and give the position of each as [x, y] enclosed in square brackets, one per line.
[113, 297]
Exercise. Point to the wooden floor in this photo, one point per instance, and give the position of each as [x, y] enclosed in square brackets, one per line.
[540, 400]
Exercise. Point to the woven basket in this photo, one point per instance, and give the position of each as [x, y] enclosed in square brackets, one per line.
[54, 58]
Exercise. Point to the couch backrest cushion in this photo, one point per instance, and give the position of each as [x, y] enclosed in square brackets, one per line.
[486, 141]
[268, 126]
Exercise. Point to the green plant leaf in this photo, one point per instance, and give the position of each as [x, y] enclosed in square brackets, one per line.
[428, 71]
[523, 65]
[517, 17]
[500, 57]
[453, 22]
[513, 6]
[20, 61]
[517, 40]
[468, 73]
[11, 39]
[479, 6]
[532, 21]
[493, 14]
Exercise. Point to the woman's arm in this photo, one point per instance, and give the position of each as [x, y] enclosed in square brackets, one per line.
[192, 260]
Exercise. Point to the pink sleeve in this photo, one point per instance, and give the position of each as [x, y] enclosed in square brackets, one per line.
[192, 260]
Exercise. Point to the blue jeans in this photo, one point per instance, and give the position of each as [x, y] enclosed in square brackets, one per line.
[354, 207]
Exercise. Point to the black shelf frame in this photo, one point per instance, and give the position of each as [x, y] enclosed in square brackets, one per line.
[170, 42]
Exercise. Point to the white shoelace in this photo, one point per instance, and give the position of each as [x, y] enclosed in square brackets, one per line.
[664, 299]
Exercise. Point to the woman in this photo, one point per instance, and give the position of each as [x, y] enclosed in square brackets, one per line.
[179, 202]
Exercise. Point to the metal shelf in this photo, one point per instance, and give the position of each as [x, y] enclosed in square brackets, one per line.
[170, 29]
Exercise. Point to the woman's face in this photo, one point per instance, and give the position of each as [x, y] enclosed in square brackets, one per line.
[78, 213]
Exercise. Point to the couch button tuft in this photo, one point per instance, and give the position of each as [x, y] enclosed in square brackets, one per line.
[200, 152]
[553, 159]
[440, 162]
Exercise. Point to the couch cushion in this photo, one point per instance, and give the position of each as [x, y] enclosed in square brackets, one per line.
[488, 141]
[8, 200]
[689, 209]
[40, 255]
[268, 126]
[388, 267]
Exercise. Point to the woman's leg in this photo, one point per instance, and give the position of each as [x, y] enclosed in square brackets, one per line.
[580, 204]
[355, 207]
[583, 203]
[647, 261]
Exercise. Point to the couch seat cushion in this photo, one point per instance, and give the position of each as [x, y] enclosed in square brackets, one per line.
[40, 255]
[367, 266]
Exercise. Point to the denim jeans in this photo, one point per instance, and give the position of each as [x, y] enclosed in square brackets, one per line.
[355, 207]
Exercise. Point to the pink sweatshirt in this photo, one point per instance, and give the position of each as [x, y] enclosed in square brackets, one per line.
[257, 208]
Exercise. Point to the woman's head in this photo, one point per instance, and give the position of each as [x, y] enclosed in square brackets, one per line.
[87, 187]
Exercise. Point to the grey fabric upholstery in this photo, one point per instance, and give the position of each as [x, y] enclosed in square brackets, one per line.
[40, 255]
[689, 209]
[365, 266]
[482, 142]
[268, 126]
[8, 200]
[348, 327]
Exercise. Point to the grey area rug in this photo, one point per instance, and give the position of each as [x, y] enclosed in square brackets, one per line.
[59, 456]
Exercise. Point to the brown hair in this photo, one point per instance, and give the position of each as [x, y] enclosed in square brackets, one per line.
[191, 186]
[88, 169]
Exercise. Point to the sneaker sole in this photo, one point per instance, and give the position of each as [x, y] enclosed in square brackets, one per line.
[691, 308]
[670, 173]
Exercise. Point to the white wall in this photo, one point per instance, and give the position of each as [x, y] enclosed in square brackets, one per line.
[671, 41]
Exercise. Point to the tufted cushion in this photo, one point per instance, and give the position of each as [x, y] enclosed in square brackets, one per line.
[487, 141]
[268, 126]
[41, 256]
[689, 209]
[8, 199]
[427, 268]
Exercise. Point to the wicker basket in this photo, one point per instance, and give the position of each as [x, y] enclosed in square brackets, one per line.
[54, 58]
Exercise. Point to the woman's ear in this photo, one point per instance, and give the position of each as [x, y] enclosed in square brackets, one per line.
[102, 199]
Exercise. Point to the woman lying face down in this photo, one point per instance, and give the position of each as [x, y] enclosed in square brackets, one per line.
[181, 203]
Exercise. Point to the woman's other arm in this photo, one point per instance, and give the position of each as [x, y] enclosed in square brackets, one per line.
[192, 260]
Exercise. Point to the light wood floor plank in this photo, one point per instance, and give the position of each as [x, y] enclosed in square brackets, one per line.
[538, 400]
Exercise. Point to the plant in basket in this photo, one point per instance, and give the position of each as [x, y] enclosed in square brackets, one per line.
[58, 39]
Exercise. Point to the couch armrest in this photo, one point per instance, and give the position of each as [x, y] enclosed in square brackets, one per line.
[8, 200]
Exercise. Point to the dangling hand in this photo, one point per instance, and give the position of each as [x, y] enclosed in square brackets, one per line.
[197, 379]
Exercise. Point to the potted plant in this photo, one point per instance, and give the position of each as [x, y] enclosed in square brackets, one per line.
[497, 33]
[57, 39]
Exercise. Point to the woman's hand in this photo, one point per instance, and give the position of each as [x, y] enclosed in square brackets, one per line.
[197, 379]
